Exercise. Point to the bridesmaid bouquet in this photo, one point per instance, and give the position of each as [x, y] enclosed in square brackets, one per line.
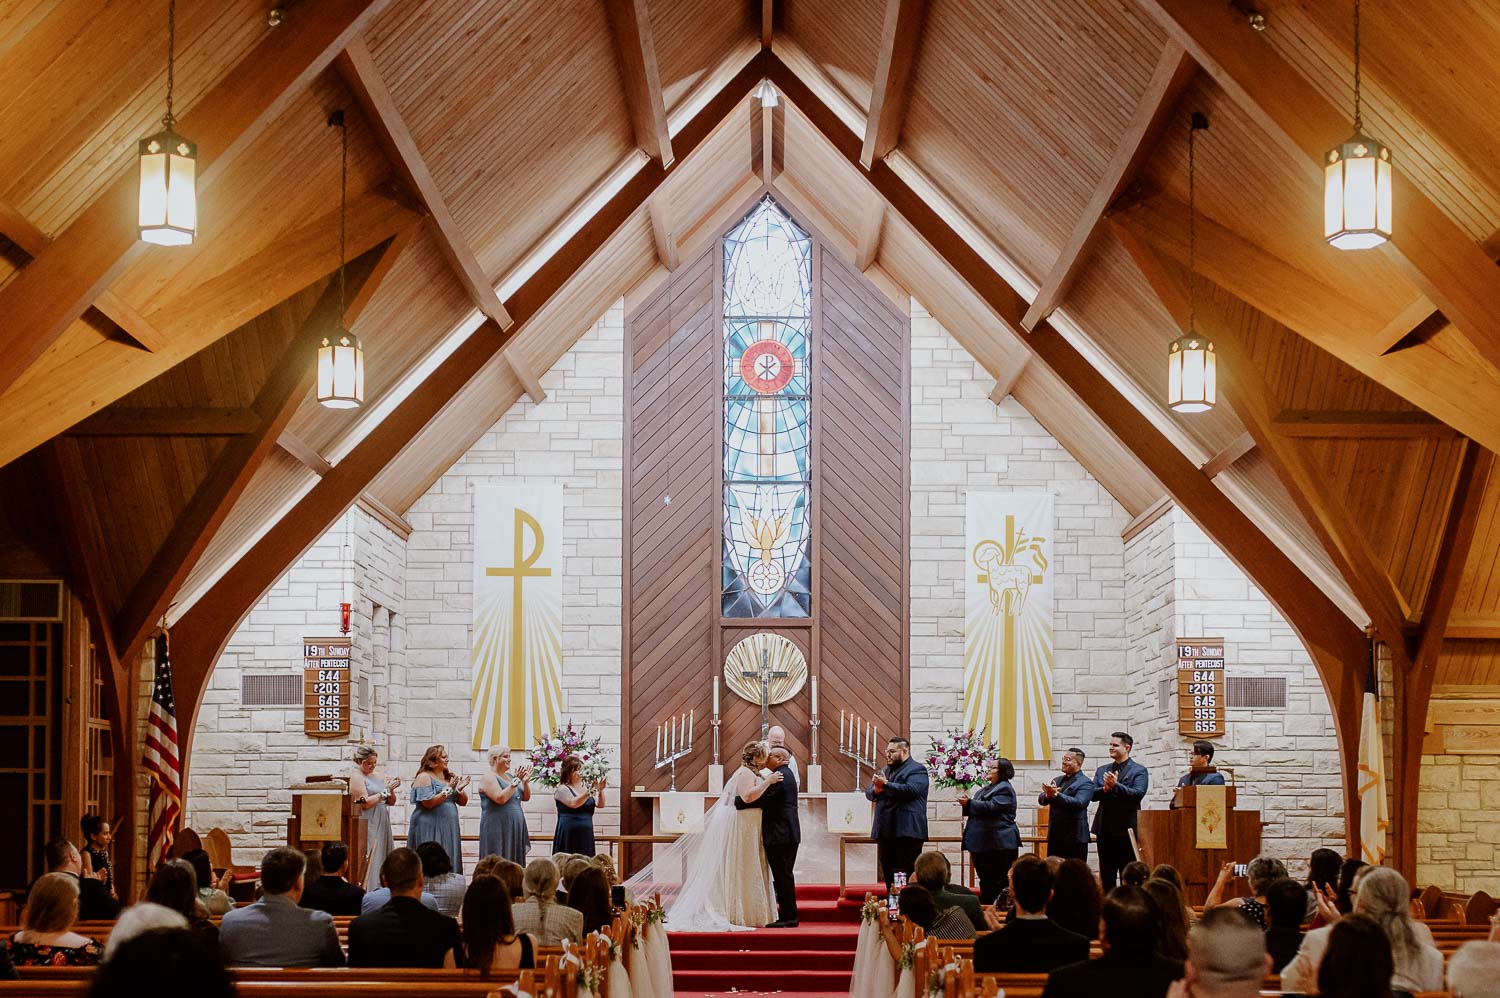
[550, 750]
[960, 760]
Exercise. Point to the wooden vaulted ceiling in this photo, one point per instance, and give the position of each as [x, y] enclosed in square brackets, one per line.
[517, 165]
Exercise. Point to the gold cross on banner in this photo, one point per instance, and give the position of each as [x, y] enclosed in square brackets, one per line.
[519, 572]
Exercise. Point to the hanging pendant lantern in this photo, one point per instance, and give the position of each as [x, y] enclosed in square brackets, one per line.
[1357, 200]
[168, 202]
[1192, 365]
[341, 357]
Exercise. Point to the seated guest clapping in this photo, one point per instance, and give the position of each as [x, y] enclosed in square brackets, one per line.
[1382, 895]
[439, 880]
[1474, 970]
[405, 933]
[1226, 958]
[213, 893]
[1130, 967]
[1286, 906]
[275, 931]
[95, 902]
[1033, 943]
[540, 914]
[933, 871]
[162, 963]
[491, 941]
[331, 892]
[46, 938]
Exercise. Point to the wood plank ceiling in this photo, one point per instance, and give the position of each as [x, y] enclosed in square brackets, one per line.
[527, 118]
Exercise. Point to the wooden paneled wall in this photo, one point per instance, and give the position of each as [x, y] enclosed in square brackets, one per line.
[674, 640]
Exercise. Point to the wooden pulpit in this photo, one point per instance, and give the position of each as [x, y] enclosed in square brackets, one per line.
[1172, 837]
[321, 813]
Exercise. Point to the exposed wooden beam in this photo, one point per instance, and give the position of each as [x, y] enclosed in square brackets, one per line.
[207, 626]
[1147, 516]
[168, 421]
[1414, 686]
[767, 167]
[1434, 377]
[663, 232]
[357, 66]
[275, 404]
[767, 24]
[127, 317]
[1242, 385]
[1473, 627]
[1174, 70]
[1415, 315]
[867, 239]
[21, 230]
[635, 47]
[304, 452]
[1337, 647]
[53, 291]
[1359, 423]
[380, 511]
[900, 40]
[1004, 386]
[524, 374]
[1232, 452]
[1451, 269]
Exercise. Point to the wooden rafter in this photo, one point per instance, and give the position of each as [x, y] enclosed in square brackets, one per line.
[635, 47]
[1450, 268]
[767, 23]
[1174, 70]
[1256, 407]
[1439, 381]
[21, 230]
[1361, 423]
[168, 421]
[304, 452]
[1414, 684]
[1337, 647]
[209, 623]
[1232, 452]
[127, 317]
[663, 232]
[867, 239]
[357, 66]
[1005, 385]
[274, 406]
[900, 40]
[1473, 627]
[521, 368]
[53, 291]
[1146, 517]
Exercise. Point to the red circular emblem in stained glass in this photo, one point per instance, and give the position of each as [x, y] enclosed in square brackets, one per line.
[767, 366]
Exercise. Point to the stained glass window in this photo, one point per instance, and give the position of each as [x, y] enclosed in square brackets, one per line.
[767, 416]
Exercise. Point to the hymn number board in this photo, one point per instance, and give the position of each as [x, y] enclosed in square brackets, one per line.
[325, 687]
[1200, 687]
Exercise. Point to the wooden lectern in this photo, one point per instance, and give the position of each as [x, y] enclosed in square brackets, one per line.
[1171, 837]
[321, 813]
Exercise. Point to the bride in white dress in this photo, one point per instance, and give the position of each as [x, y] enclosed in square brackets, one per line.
[726, 883]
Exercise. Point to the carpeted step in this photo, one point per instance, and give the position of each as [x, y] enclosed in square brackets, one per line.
[805, 937]
[789, 960]
[770, 980]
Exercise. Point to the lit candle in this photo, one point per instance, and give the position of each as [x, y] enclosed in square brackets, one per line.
[841, 729]
[690, 729]
[874, 738]
[671, 735]
[658, 741]
[716, 694]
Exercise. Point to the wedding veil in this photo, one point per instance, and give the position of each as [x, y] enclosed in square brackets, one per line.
[690, 873]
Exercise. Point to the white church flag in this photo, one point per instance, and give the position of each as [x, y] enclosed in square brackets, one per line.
[517, 629]
[1008, 621]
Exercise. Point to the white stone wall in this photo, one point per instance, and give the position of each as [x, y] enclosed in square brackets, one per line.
[1458, 839]
[245, 758]
[574, 438]
[961, 441]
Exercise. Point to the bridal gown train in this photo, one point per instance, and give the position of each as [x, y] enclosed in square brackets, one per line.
[726, 883]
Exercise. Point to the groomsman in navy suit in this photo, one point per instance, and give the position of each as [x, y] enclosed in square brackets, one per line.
[1068, 797]
[1119, 787]
[900, 796]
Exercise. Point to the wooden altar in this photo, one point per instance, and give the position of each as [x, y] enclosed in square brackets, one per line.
[1171, 837]
[321, 813]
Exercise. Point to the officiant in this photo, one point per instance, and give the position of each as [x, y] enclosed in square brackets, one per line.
[900, 796]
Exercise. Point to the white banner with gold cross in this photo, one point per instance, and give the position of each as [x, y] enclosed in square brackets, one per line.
[1008, 621]
[517, 631]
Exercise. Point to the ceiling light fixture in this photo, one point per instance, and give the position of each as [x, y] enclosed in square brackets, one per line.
[341, 357]
[1357, 203]
[168, 203]
[766, 94]
[1192, 366]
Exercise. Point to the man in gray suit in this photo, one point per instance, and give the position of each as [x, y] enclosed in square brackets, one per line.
[275, 931]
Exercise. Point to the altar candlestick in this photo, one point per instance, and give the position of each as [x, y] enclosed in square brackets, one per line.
[841, 729]
[815, 695]
[690, 728]
[658, 741]
[716, 694]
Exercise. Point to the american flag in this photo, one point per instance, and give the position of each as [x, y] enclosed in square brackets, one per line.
[161, 760]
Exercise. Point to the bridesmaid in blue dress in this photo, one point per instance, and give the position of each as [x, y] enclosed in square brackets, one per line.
[575, 811]
[438, 795]
[502, 822]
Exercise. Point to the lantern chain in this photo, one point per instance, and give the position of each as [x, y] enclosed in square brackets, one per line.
[338, 120]
[1199, 122]
[1358, 127]
[170, 120]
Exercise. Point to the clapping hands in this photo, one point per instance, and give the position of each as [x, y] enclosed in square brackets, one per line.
[1110, 779]
[1049, 789]
[1327, 903]
[461, 784]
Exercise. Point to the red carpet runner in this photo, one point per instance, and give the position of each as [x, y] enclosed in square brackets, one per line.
[814, 959]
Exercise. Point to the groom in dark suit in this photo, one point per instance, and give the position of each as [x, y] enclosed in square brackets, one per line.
[900, 795]
[781, 833]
